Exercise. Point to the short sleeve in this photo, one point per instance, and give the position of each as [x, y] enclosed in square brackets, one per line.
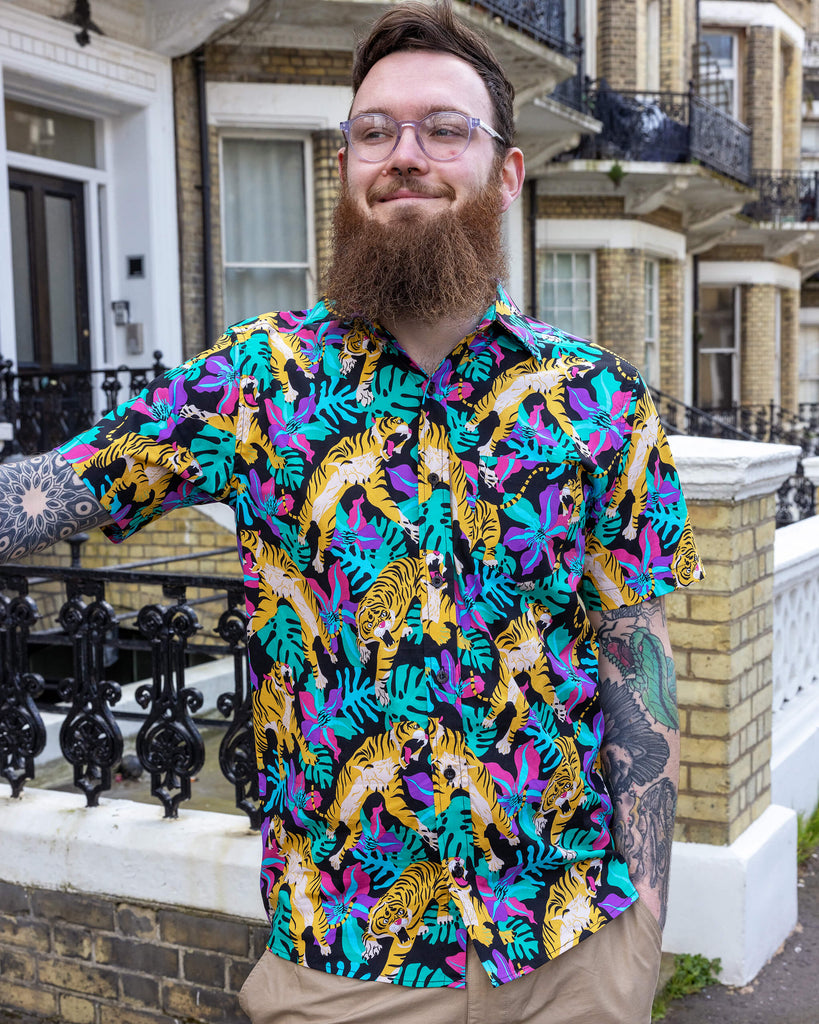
[639, 542]
[171, 446]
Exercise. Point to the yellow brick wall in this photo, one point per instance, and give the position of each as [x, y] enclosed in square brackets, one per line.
[722, 634]
[617, 22]
[789, 355]
[621, 303]
[761, 93]
[287, 65]
[672, 334]
[325, 190]
[757, 343]
[791, 62]
[182, 531]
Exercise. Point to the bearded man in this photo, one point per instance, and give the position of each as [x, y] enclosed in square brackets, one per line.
[472, 484]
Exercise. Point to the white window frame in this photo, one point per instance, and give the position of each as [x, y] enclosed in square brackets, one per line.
[272, 136]
[591, 254]
[651, 340]
[730, 73]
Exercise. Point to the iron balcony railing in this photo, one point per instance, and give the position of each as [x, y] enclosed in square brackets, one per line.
[86, 643]
[785, 197]
[666, 127]
[796, 498]
[543, 20]
[47, 407]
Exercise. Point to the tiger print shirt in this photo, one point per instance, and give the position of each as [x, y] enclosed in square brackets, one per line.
[419, 554]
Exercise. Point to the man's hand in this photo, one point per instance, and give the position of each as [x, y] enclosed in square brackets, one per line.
[641, 742]
[42, 500]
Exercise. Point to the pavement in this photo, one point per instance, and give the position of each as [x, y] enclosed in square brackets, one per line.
[786, 990]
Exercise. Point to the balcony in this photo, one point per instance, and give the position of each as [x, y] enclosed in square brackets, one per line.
[543, 20]
[785, 197]
[666, 127]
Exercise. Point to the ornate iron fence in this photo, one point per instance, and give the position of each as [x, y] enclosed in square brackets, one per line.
[785, 196]
[543, 20]
[720, 141]
[796, 498]
[169, 744]
[47, 407]
[667, 127]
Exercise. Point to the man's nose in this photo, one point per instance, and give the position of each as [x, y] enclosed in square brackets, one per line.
[408, 154]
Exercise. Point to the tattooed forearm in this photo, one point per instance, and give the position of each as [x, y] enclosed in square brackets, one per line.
[640, 749]
[42, 501]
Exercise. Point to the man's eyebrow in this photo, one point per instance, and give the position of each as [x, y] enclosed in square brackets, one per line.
[433, 108]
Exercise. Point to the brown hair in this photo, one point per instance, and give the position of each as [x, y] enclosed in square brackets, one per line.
[418, 26]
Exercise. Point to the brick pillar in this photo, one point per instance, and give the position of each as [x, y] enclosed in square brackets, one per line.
[673, 58]
[189, 202]
[789, 370]
[761, 95]
[617, 43]
[734, 855]
[791, 106]
[757, 346]
[325, 189]
[621, 303]
[672, 336]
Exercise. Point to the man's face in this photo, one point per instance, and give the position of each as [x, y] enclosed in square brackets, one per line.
[409, 85]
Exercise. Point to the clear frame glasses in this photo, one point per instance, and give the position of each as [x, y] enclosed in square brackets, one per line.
[442, 135]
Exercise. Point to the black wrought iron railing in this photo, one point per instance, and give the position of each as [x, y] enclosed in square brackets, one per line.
[46, 407]
[785, 197]
[796, 498]
[666, 127]
[543, 20]
[89, 637]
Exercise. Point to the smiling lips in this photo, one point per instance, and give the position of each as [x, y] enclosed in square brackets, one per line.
[400, 189]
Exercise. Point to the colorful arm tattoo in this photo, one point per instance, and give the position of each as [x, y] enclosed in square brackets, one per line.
[641, 745]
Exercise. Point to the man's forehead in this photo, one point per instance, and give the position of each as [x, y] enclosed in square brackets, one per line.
[413, 83]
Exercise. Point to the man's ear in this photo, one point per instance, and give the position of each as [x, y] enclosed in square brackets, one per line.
[512, 175]
[342, 170]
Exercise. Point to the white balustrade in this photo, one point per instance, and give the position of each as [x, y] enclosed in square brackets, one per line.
[796, 611]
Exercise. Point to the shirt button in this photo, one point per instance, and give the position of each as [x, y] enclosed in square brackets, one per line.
[437, 581]
[434, 479]
[442, 675]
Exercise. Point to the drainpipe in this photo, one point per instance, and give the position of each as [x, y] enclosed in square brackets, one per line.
[531, 187]
[204, 171]
[695, 319]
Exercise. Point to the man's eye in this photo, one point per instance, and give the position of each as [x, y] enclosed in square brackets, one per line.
[443, 128]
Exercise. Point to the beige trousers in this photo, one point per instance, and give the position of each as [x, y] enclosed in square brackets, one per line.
[607, 979]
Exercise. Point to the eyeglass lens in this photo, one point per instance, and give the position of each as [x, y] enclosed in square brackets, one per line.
[442, 135]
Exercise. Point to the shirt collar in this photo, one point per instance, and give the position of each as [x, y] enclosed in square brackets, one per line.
[503, 313]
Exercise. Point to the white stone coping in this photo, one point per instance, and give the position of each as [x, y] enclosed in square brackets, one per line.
[129, 851]
[811, 467]
[715, 469]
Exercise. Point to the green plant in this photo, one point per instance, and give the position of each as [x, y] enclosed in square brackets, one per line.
[616, 173]
[692, 973]
[807, 838]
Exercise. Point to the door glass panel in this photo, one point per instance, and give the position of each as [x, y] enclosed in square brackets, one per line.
[716, 372]
[38, 131]
[61, 280]
[21, 272]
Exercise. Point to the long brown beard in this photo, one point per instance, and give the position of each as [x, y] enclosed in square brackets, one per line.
[417, 267]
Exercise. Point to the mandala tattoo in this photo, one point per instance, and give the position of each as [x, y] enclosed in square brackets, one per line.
[43, 501]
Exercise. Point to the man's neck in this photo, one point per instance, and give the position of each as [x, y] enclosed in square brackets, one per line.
[429, 344]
